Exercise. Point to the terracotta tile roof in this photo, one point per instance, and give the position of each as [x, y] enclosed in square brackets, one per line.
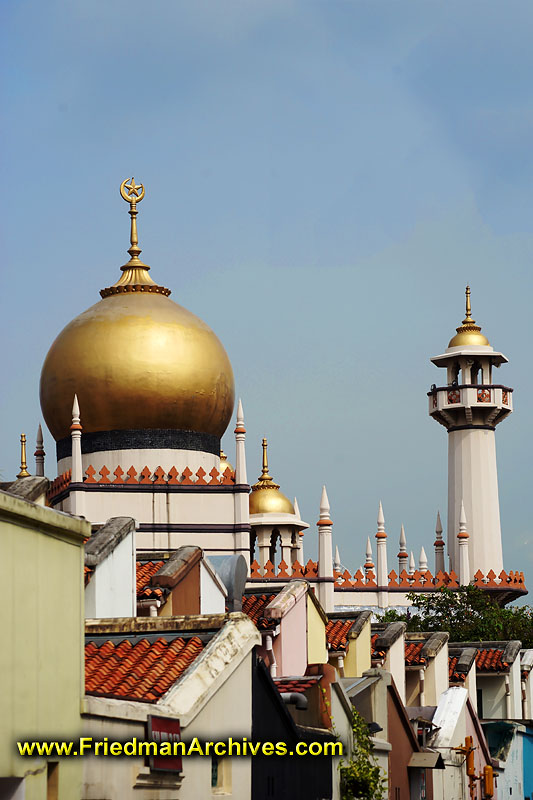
[376, 654]
[413, 652]
[254, 606]
[145, 570]
[490, 660]
[337, 631]
[143, 670]
[453, 675]
[299, 685]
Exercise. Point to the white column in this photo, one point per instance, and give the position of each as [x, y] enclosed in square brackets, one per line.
[403, 555]
[382, 573]
[439, 546]
[325, 556]
[473, 479]
[462, 543]
[39, 453]
[423, 561]
[76, 498]
[241, 499]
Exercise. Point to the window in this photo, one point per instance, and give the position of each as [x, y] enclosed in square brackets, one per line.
[220, 775]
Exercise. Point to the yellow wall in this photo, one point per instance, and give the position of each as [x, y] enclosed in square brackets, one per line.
[42, 623]
[317, 652]
[358, 656]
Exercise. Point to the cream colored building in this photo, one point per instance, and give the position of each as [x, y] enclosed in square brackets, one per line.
[41, 666]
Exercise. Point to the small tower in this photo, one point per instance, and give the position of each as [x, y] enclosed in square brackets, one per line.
[326, 585]
[439, 546]
[275, 527]
[403, 555]
[470, 405]
[39, 453]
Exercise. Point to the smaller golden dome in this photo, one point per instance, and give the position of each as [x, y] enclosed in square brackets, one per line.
[469, 334]
[266, 497]
[224, 463]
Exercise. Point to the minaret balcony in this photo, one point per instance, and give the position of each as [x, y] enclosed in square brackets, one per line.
[470, 404]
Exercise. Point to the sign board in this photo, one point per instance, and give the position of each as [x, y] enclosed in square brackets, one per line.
[164, 729]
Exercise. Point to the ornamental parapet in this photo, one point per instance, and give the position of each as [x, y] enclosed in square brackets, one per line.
[478, 404]
[158, 476]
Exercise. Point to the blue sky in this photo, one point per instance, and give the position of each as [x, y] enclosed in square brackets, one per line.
[322, 180]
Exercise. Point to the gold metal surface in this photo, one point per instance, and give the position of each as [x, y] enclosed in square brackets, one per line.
[23, 465]
[224, 463]
[468, 333]
[266, 497]
[137, 360]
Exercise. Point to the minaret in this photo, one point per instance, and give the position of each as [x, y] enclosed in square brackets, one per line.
[39, 453]
[242, 514]
[463, 573]
[77, 505]
[381, 560]
[325, 556]
[470, 405]
[439, 546]
[403, 555]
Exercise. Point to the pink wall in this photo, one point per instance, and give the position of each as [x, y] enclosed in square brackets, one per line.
[290, 647]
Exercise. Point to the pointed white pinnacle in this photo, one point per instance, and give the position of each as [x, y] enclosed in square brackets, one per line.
[403, 540]
[324, 504]
[368, 550]
[381, 519]
[412, 564]
[337, 561]
[240, 414]
[462, 519]
[423, 561]
[76, 409]
[438, 526]
[296, 509]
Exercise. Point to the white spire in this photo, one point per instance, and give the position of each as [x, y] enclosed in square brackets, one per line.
[296, 509]
[439, 546]
[75, 410]
[403, 540]
[324, 504]
[423, 561]
[39, 453]
[412, 563]
[368, 549]
[438, 526]
[381, 519]
[337, 559]
[462, 519]
[240, 414]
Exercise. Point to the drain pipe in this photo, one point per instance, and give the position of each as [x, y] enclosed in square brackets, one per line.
[524, 700]
[270, 650]
[421, 683]
[295, 699]
[340, 665]
[508, 697]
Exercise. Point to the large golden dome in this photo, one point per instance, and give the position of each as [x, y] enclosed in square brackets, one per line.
[137, 361]
[265, 497]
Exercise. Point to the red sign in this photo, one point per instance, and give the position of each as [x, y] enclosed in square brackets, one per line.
[162, 730]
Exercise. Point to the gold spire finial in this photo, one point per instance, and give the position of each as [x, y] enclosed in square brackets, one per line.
[468, 333]
[264, 472]
[133, 194]
[468, 318]
[23, 465]
[135, 277]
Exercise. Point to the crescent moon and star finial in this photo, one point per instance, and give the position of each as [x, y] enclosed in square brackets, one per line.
[133, 193]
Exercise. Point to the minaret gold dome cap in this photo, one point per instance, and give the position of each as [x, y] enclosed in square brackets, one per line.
[468, 334]
[137, 360]
[265, 497]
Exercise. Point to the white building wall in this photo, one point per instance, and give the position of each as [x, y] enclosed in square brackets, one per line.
[395, 664]
[212, 598]
[493, 691]
[111, 591]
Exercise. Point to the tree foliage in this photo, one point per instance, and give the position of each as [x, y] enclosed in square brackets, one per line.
[469, 614]
[361, 777]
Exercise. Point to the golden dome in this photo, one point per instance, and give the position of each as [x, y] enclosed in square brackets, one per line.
[468, 334]
[224, 463]
[137, 360]
[265, 497]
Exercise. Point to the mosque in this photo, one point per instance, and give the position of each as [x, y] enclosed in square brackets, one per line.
[137, 393]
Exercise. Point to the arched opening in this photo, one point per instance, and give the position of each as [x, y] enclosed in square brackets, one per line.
[476, 374]
[275, 537]
[253, 540]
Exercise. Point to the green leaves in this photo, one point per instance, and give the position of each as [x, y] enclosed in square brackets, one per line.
[469, 614]
[361, 778]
